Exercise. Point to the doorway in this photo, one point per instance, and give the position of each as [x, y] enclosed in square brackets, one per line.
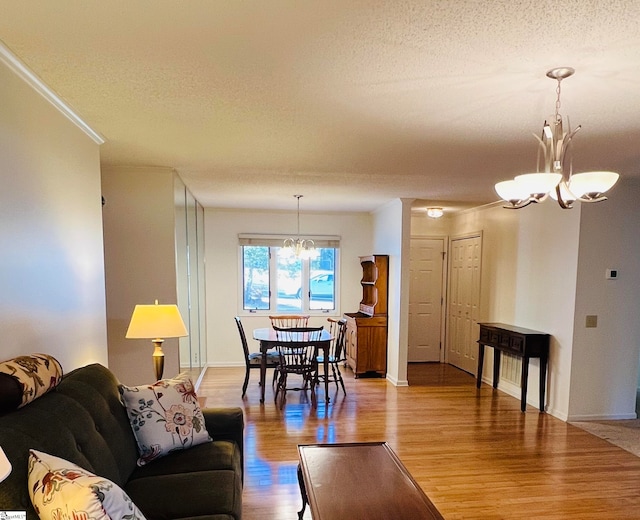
[426, 299]
[464, 302]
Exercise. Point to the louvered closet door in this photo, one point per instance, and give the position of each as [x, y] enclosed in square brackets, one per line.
[464, 301]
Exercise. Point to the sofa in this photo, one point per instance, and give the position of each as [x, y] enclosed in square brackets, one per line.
[84, 421]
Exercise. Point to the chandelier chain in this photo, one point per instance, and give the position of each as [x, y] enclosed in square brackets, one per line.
[298, 197]
[558, 89]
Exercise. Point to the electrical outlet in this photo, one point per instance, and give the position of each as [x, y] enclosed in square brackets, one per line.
[591, 321]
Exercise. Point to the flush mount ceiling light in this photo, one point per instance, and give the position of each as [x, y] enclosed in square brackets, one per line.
[300, 248]
[435, 212]
[557, 179]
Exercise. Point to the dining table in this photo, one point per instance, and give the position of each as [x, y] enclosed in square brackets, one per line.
[270, 339]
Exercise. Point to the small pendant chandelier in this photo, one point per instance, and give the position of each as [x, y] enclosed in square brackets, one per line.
[557, 180]
[300, 248]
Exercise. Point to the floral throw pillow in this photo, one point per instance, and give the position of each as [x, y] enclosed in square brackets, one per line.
[60, 490]
[25, 378]
[165, 417]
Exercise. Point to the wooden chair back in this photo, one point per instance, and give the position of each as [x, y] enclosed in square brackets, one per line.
[297, 355]
[289, 320]
[254, 359]
[243, 339]
[338, 331]
[303, 334]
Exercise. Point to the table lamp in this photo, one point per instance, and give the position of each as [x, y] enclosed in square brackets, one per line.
[5, 466]
[156, 322]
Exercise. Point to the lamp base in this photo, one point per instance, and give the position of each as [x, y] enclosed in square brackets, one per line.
[158, 358]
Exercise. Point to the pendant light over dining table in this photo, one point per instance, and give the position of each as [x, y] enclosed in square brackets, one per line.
[300, 247]
[557, 179]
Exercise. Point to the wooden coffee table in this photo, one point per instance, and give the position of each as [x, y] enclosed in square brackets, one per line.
[359, 481]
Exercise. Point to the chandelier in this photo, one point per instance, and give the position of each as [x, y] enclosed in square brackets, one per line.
[300, 248]
[557, 179]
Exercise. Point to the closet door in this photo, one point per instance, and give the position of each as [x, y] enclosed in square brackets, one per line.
[464, 301]
[182, 268]
[189, 233]
[425, 299]
[194, 282]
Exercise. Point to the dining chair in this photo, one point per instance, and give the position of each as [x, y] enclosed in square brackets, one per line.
[253, 359]
[289, 320]
[336, 354]
[296, 359]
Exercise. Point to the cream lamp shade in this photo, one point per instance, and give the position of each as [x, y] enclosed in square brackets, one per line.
[156, 322]
[5, 466]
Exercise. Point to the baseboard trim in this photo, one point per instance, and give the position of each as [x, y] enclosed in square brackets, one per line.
[613, 417]
[397, 382]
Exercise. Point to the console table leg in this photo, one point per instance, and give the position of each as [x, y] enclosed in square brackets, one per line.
[543, 380]
[523, 383]
[496, 367]
[480, 364]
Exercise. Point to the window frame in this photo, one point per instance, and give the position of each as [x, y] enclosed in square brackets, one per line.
[273, 242]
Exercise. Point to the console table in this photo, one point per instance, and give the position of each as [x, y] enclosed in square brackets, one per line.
[518, 341]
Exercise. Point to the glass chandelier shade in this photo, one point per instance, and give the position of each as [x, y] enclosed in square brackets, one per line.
[300, 247]
[565, 194]
[511, 191]
[538, 184]
[556, 180]
[592, 185]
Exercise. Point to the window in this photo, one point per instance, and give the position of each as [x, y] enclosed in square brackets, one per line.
[255, 277]
[275, 282]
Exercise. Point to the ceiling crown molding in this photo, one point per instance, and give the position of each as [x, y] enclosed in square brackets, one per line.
[28, 76]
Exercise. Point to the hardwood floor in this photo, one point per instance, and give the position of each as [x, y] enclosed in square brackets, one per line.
[471, 450]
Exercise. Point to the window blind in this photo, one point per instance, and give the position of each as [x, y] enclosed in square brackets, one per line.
[253, 239]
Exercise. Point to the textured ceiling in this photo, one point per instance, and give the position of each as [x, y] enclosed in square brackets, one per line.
[351, 103]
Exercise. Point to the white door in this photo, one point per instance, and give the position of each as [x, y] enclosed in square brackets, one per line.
[464, 302]
[425, 299]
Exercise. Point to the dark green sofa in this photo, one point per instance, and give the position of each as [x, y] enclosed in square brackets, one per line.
[83, 421]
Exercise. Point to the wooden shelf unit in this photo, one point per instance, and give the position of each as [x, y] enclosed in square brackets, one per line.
[366, 336]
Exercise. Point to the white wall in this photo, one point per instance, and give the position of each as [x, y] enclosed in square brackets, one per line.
[222, 228]
[529, 259]
[391, 236]
[546, 291]
[51, 265]
[499, 230]
[605, 359]
[140, 258]
[544, 268]
[423, 226]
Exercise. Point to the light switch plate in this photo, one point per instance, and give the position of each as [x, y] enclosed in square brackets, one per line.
[591, 322]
